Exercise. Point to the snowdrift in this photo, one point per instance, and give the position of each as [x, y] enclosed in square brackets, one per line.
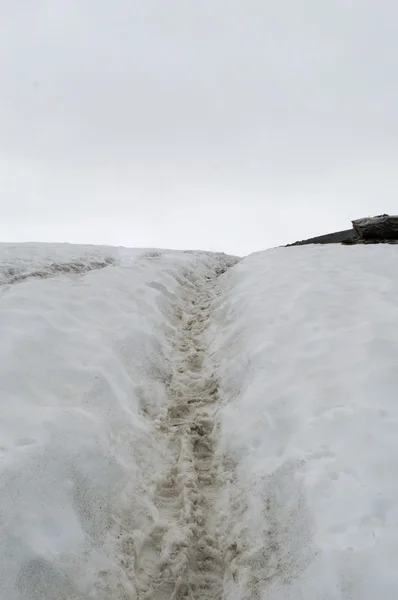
[84, 357]
[307, 361]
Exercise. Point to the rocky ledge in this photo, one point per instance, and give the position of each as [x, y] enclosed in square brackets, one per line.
[381, 229]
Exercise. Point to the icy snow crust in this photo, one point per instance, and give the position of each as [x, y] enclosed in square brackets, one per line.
[85, 355]
[308, 374]
[294, 475]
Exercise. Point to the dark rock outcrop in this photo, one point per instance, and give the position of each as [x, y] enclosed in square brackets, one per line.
[382, 228]
[370, 230]
[330, 238]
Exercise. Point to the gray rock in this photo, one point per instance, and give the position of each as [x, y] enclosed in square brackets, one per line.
[380, 228]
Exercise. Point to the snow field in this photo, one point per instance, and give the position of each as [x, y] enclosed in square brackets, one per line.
[169, 431]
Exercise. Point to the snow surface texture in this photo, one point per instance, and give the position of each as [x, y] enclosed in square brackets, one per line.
[309, 424]
[180, 555]
[175, 427]
[86, 360]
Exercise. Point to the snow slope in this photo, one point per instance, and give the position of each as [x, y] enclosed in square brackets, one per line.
[85, 356]
[171, 431]
[307, 361]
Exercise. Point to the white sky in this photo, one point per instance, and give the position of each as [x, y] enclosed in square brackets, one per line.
[211, 124]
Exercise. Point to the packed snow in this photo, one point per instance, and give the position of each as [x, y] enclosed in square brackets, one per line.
[187, 425]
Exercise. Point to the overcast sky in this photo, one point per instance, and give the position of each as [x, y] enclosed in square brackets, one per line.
[213, 124]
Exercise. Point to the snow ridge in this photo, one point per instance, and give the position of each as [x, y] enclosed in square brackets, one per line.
[14, 275]
[180, 556]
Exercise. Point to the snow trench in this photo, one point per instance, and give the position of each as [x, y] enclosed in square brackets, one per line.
[179, 555]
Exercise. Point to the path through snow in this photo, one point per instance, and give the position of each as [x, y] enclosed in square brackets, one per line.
[180, 555]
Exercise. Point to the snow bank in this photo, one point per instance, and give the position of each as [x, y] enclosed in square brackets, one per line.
[85, 349]
[307, 362]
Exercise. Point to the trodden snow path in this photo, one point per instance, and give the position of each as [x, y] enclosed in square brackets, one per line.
[180, 557]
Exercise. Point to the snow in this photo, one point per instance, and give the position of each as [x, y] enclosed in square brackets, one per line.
[84, 357]
[303, 345]
[307, 361]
